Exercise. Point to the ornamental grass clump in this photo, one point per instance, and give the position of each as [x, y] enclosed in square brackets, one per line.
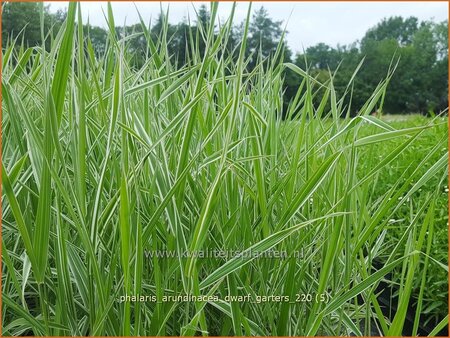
[104, 162]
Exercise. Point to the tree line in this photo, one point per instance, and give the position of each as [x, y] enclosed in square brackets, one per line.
[418, 49]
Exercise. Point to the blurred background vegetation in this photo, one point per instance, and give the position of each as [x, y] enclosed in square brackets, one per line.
[418, 86]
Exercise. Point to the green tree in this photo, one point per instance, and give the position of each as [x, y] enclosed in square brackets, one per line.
[420, 80]
[419, 83]
[440, 70]
[321, 56]
[98, 37]
[25, 18]
[203, 16]
[264, 36]
[397, 28]
[430, 73]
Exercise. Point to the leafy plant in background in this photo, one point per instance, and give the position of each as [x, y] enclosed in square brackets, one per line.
[103, 161]
[418, 86]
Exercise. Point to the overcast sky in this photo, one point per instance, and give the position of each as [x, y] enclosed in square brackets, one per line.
[308, 23]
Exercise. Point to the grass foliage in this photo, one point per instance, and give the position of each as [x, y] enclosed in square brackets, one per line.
[103, 162]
